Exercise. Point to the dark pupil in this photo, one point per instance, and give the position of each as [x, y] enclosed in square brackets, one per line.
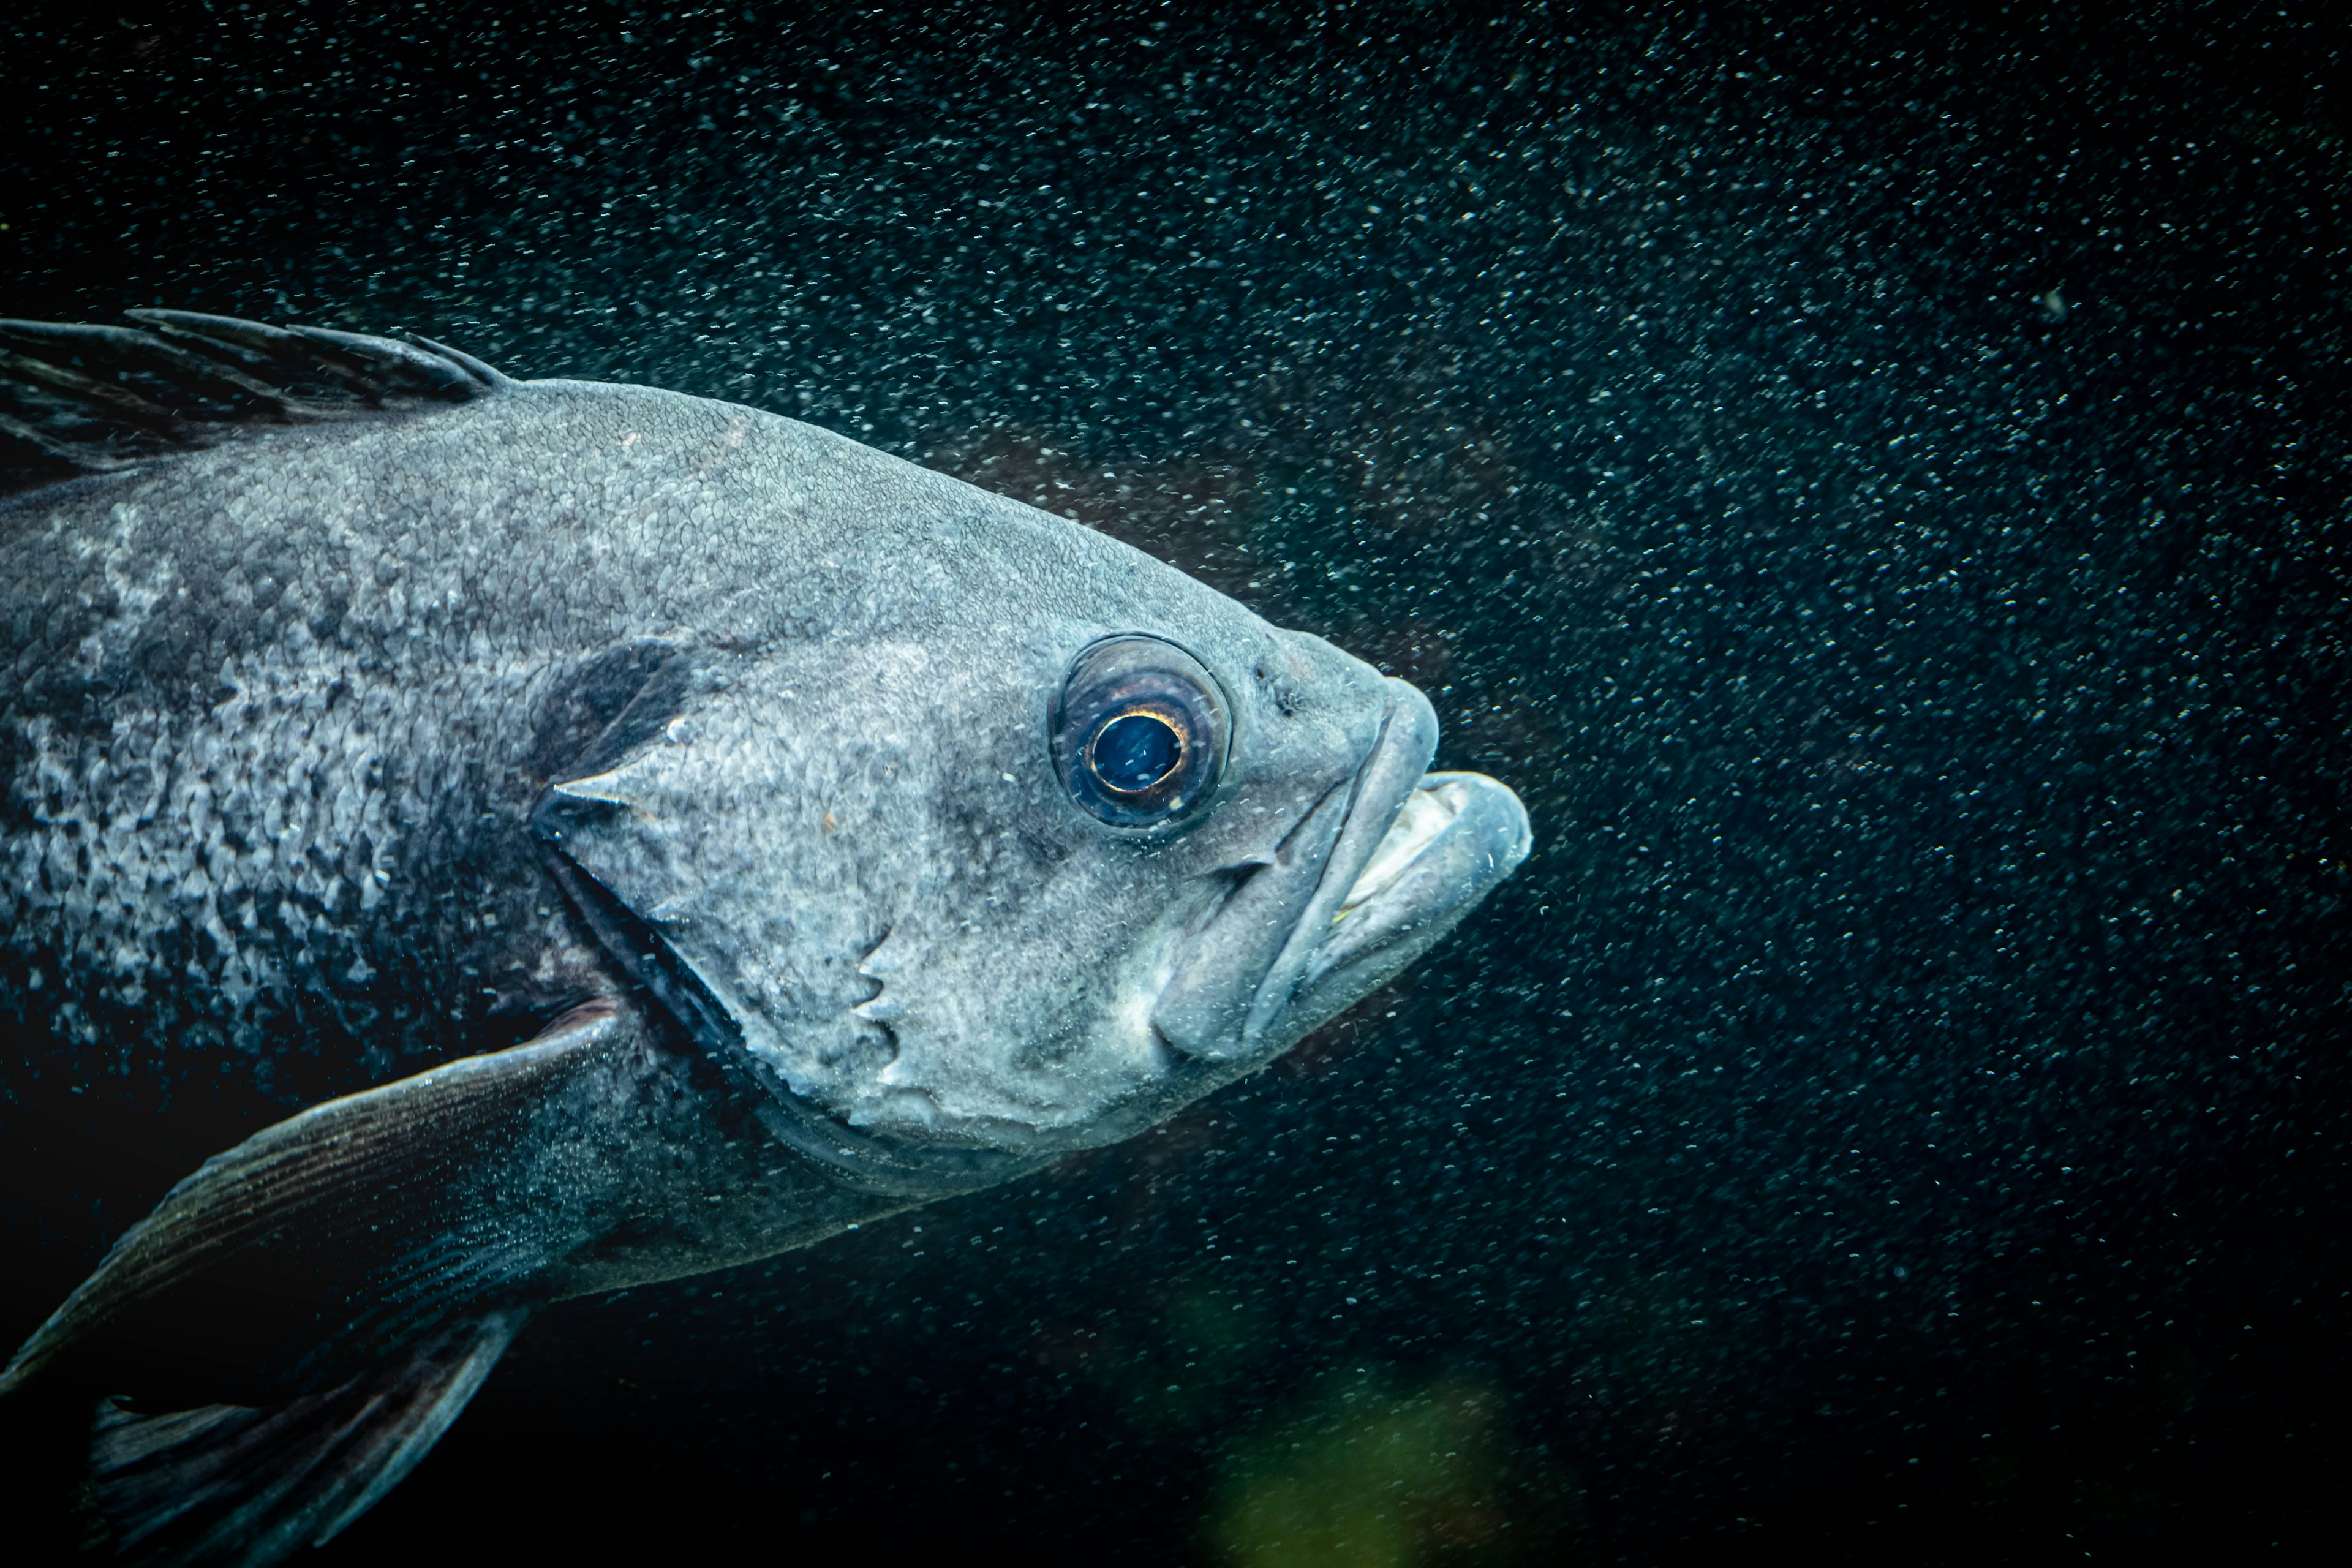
[1135, 752]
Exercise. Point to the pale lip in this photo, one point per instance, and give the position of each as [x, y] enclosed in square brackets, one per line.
[1431, 810]
[1373, 874]
[1453, 840]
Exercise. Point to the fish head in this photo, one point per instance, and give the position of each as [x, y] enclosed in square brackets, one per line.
[1044, 842]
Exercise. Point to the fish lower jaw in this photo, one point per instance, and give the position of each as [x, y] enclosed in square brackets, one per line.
[1454, 839]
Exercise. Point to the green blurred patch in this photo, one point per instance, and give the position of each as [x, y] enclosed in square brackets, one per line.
[1370, 1471]
[1181, 1381]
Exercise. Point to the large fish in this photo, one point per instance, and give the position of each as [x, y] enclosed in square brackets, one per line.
[495, 841]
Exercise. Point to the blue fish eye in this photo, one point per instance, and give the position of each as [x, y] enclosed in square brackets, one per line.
[1134, 752]
[1139, 732]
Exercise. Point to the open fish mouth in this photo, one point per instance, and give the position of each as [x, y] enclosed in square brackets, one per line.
[1456, 836]
[1429, 812]
[1366, 881]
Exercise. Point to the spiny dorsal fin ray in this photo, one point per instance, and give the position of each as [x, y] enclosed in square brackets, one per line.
[217, 384]
[76, 397]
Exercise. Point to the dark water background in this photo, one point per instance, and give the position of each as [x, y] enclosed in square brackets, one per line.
[1879, 492]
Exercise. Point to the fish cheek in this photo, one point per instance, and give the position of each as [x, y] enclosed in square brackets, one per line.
[749, 849]
[1026, 1003]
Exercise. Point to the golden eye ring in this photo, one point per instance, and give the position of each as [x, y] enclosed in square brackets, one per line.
[1139, 734]
[1143, 758]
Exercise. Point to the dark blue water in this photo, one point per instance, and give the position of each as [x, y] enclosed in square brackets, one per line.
[1880, 494]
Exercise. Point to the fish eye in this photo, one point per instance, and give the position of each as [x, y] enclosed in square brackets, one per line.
[1139, 732]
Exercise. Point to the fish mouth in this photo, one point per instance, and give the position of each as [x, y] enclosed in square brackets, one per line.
[1368, 879]
[1456, 836]
[1427, 814]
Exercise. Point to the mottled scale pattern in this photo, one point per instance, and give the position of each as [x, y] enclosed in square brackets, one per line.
[266, 771]
[276, 711]
[253, 839]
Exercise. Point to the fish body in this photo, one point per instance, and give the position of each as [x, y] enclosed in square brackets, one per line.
[490, 842]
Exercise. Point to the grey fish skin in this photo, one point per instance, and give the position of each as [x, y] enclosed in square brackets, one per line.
[646, 812]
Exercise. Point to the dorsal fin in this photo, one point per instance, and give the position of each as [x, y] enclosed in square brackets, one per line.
[82, 398]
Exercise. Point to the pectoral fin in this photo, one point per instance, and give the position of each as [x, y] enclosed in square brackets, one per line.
[298, 1321]
[372, 1213]
[238, 1484]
